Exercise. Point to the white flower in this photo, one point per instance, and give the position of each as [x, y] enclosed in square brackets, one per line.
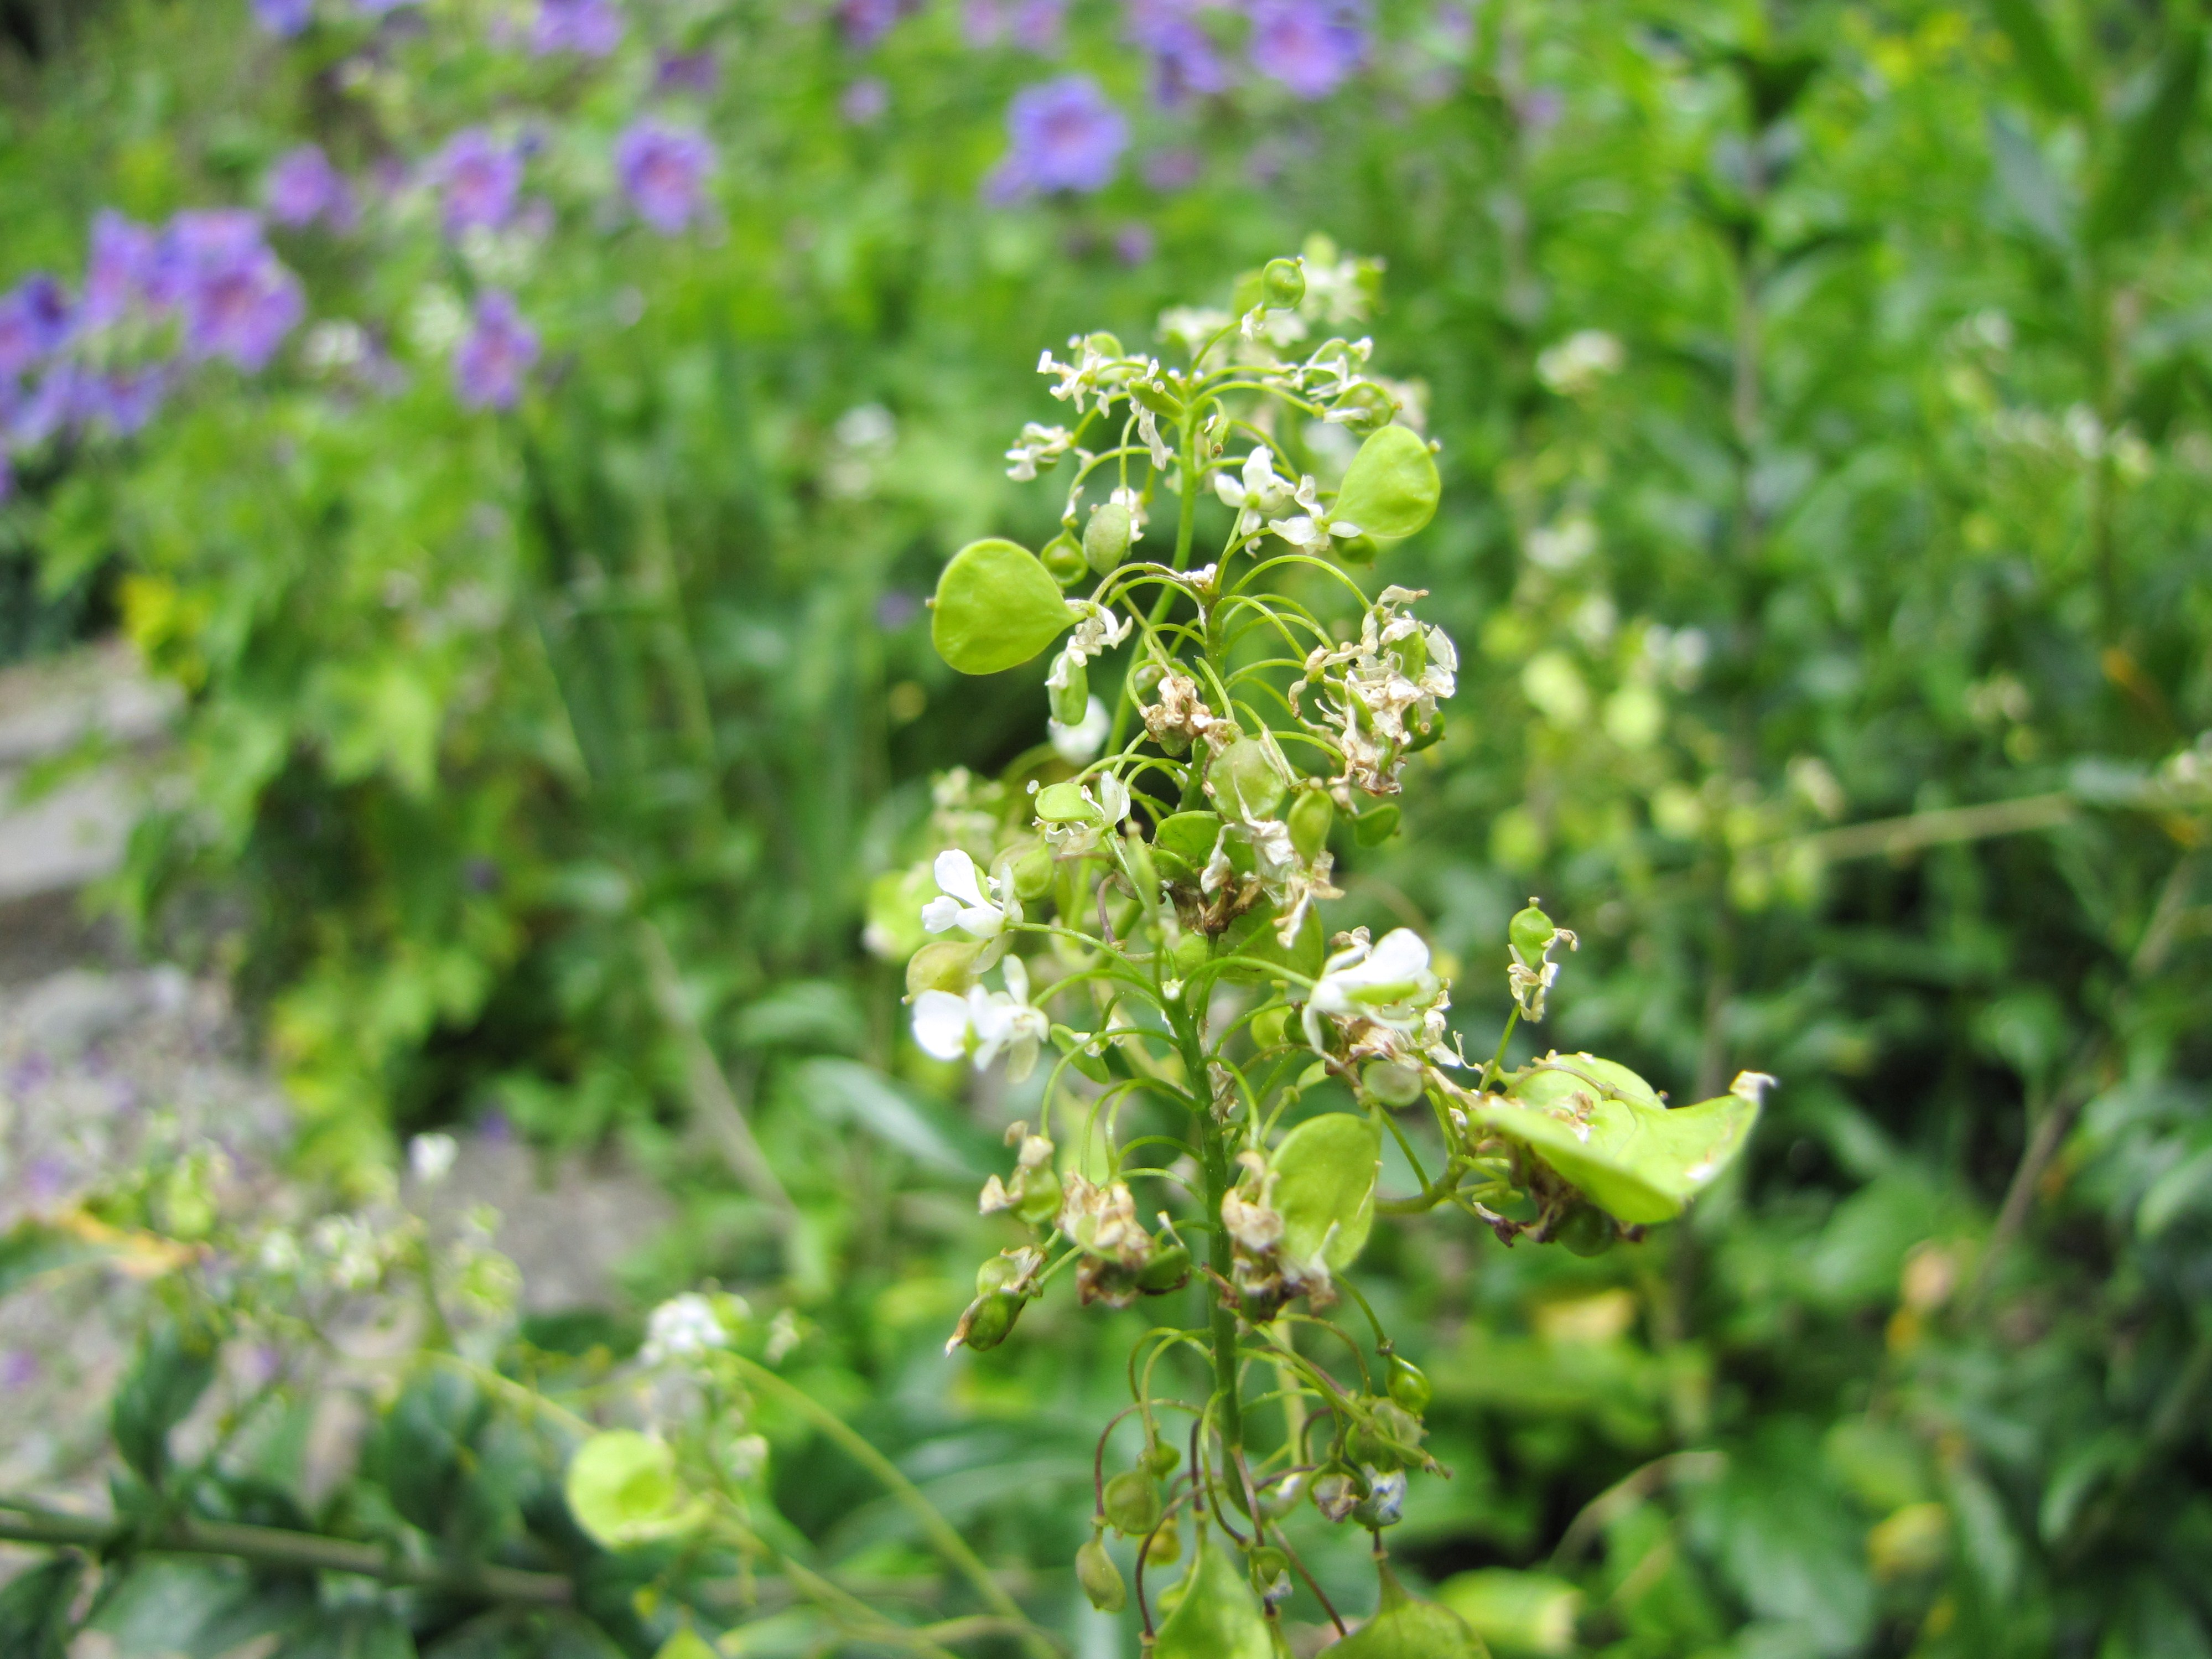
[1077, 743]
[683, 1328]
[1131, 499]
[967, 901]
[1038, 443]
[1192, 326]
[1309, 531]
[1099, 631]
[1388, 983]
[431, 1156]
[1577, 363]
[1255, 493]
[1000, 1022]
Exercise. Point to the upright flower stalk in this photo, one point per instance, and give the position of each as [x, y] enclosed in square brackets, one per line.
[1152, 899]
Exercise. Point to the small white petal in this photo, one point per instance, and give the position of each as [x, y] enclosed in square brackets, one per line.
[940, 1025]
[956, 874]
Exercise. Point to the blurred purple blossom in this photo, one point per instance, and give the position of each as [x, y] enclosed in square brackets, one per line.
[1173, 169]
[663, 171]
[478, 179]
[895, 610]
[379, 7]
[688, 71]
[304, 187]
[19, 1367]
[866, 21]
[1064, 135]
[1134, 244]
[1032, 25]
[120, 266]
[592, 27]
[865, 101]
[7, 478]
[1184, 62]
[1309, 45]
[237, 299]
[127, 401]
[497, 352]
[283, 18]
[34, 322]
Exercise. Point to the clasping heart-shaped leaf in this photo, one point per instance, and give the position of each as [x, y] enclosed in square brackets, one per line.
[1404, 1628]
[1391, 489]
[622, 1490]
[1604, 1129]
[1218, 1616]
[996, 607]
[1325, 1173]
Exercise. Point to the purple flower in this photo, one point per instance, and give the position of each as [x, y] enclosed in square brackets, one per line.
[283, 18]
[34, 322]
[497, 353]
[865, 101]
[866, 21]
[686, 71]
[1134, 244]
[1309, 45]
[663, 171]
[477, 181]
[1173, 169]
[592, 27]
[303, 186]
[119, 268]
[126, 402]
[1184, 62]
[237, 299]
[1032, 25]
[19, 1367]
[1065, 136]
[7, 478]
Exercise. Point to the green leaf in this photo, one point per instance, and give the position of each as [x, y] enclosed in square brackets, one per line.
[35, 1609]
[686, 1643]
[622, 1490]
[852, 1092]
[2043, 203]
[1604, 1129]
[422, 1441]
[1391, 489]
[172, 1369]
[2149, 159]
[1218, 1616]
[355, 1632]
[1405, 1627]
[1517, 1613]
[1325, 1173]
[996, 607]
[2035, 48]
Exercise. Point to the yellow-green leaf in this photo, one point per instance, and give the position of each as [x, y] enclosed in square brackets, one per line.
[1604, 1129]
[621, 1488]
[996, 608]
[1325, 1173]
[1391, 487]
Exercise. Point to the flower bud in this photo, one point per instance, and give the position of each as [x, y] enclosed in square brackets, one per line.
[1271, 1573]
[1409, 1384]
[1161, 1458]
[1106, 538]
[1283, 1496]
[1132, 1503]
[1062, 558]
[1155, 395]
[1334, 1494]
[1283, 284]
[1385, 1502]
[1389, 1435]
[1530, 933]
[1070, 697]
[1244, 781]
[1166, 1548]
[1100, 1578]
[1310, 817]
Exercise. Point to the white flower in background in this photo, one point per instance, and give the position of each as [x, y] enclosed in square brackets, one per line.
[1255, 493]
[977, 905]
[1038, 444]
[999, 1022]
[1563, 545]
[1192, 326]
[1077, 743]
[1388, 983]
[431, 1156]
[1575, 365]
[683, 1328]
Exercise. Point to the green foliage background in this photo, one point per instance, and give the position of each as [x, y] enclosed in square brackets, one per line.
[1861, 744]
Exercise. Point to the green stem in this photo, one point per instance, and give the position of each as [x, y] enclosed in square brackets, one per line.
[1221, 1256]
[939, 1530]
[1186, 529]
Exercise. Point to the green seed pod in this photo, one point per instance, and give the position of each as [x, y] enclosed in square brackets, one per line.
[1530, 932]
[1070, 698]
[1361, 549]
[1155, 395]
[1040, 1200]
[1587, 1231]
[1145, 678]
[1168, 1270]
[1105, 344]
[1166, 1547]
[995, 1275]
[1387, 1438]
[1392, 1082]
[1106, 538]
[1409, 1385]
[1268, 1026]
[1100, 1578]
[1364, 407]
[1271, 1572]
[1376, 824]
[1062, 558]
[1132, 1503]
[1033, 873]
[1189, 955]
[1283, 284]
[944, 965]
[989, 1318]
[1310, 817]
[1161, 1458]
[1244, 782]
